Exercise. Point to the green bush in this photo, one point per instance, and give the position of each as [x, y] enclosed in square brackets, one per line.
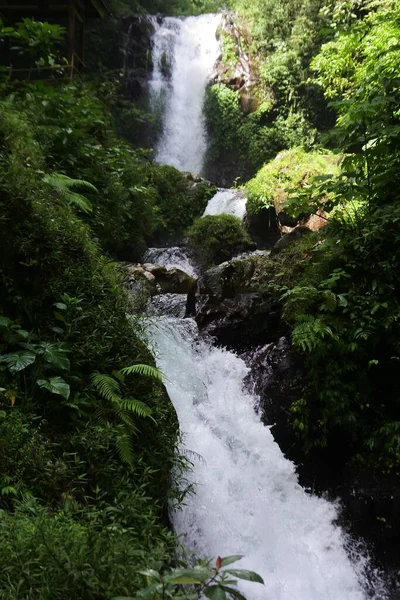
[90, 554]
[292, 170]
[176, 205]
[217, 238]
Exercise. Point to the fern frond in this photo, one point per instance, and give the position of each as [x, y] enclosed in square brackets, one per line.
[136, 407]
[107, 386]
[124, 417]
[311, 333]
[65, 186]
[100, 414]
[146, 370]
[124, 447]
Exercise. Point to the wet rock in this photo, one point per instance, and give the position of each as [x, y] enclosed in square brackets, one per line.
[263, 227]
[173, 281]
[277, 376]
[370, 501]
[233, 306]
[235, 68]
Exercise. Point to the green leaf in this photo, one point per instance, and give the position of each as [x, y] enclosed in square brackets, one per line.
[18, 360]
[247, 575]
[55, 354]
[60, 305]
[5, 322]
[199, 573]
[146, 370]
[233, 592]
[55, 385]
[228, 560]
[215, 592]
[183, 580]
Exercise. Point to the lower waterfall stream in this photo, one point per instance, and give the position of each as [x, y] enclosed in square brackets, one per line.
[247, 498]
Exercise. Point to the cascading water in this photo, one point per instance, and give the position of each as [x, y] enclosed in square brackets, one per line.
[227, 202]
[247, 499]
[184, 53]
[171, 258]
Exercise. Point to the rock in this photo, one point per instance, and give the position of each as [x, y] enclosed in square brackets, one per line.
[263, 227]
[239, 72]
[288, 238]
[276, 375]
[370, 502]
[233, 306]
[174, 281]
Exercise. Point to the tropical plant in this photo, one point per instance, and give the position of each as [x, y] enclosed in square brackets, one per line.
[68, 189]
[123, 409]
[216, 583]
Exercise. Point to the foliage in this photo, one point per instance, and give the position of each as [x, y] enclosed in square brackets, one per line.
[217, 238]
[63, 317]
[39, 41]
[201, 580]
[293, 169]
[240, 144]
[95, 553]
[178, 201]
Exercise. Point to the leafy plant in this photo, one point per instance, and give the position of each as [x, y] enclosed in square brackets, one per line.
[123, 409]
[216, 583]
[67, 188]
[217, 238]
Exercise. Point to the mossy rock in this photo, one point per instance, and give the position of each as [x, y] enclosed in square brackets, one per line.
[217, 238]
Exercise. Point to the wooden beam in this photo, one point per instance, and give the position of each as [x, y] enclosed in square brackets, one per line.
[71, 33]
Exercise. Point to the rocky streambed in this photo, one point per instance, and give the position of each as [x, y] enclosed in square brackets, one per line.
[237, 303]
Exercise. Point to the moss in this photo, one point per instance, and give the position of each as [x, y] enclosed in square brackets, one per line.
[178, 201]
[216, 238]
[290, 170]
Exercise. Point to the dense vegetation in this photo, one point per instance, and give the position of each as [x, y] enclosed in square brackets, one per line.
[343, 305]
[87, 433]
[217, 238]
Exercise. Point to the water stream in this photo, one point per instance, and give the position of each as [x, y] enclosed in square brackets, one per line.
[184, 54]
[248, 500]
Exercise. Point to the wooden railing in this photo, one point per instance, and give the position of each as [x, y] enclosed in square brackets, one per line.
[54, 73]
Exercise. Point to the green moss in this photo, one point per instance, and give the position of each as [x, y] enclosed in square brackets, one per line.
[217, 238]
[290, 170]
[178, 201]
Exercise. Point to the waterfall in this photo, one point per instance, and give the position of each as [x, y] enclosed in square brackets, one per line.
[227, 202]
[247, 498]
[172, 258]
[184, 53]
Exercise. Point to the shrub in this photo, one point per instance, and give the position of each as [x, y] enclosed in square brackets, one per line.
[176, 204]
[217, 238]
[292, 169]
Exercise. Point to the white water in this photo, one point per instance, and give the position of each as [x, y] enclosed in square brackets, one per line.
[171, 258]
[191, 49]
[228, 202]
[248, 500]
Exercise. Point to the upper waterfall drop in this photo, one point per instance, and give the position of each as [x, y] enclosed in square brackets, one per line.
[184, 53]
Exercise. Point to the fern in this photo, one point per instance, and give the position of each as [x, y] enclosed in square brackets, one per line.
[310, 333]
[66, 187]
[146, 370]
[124, 446]
[107, 386]
[121, 409]
[136, 407]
